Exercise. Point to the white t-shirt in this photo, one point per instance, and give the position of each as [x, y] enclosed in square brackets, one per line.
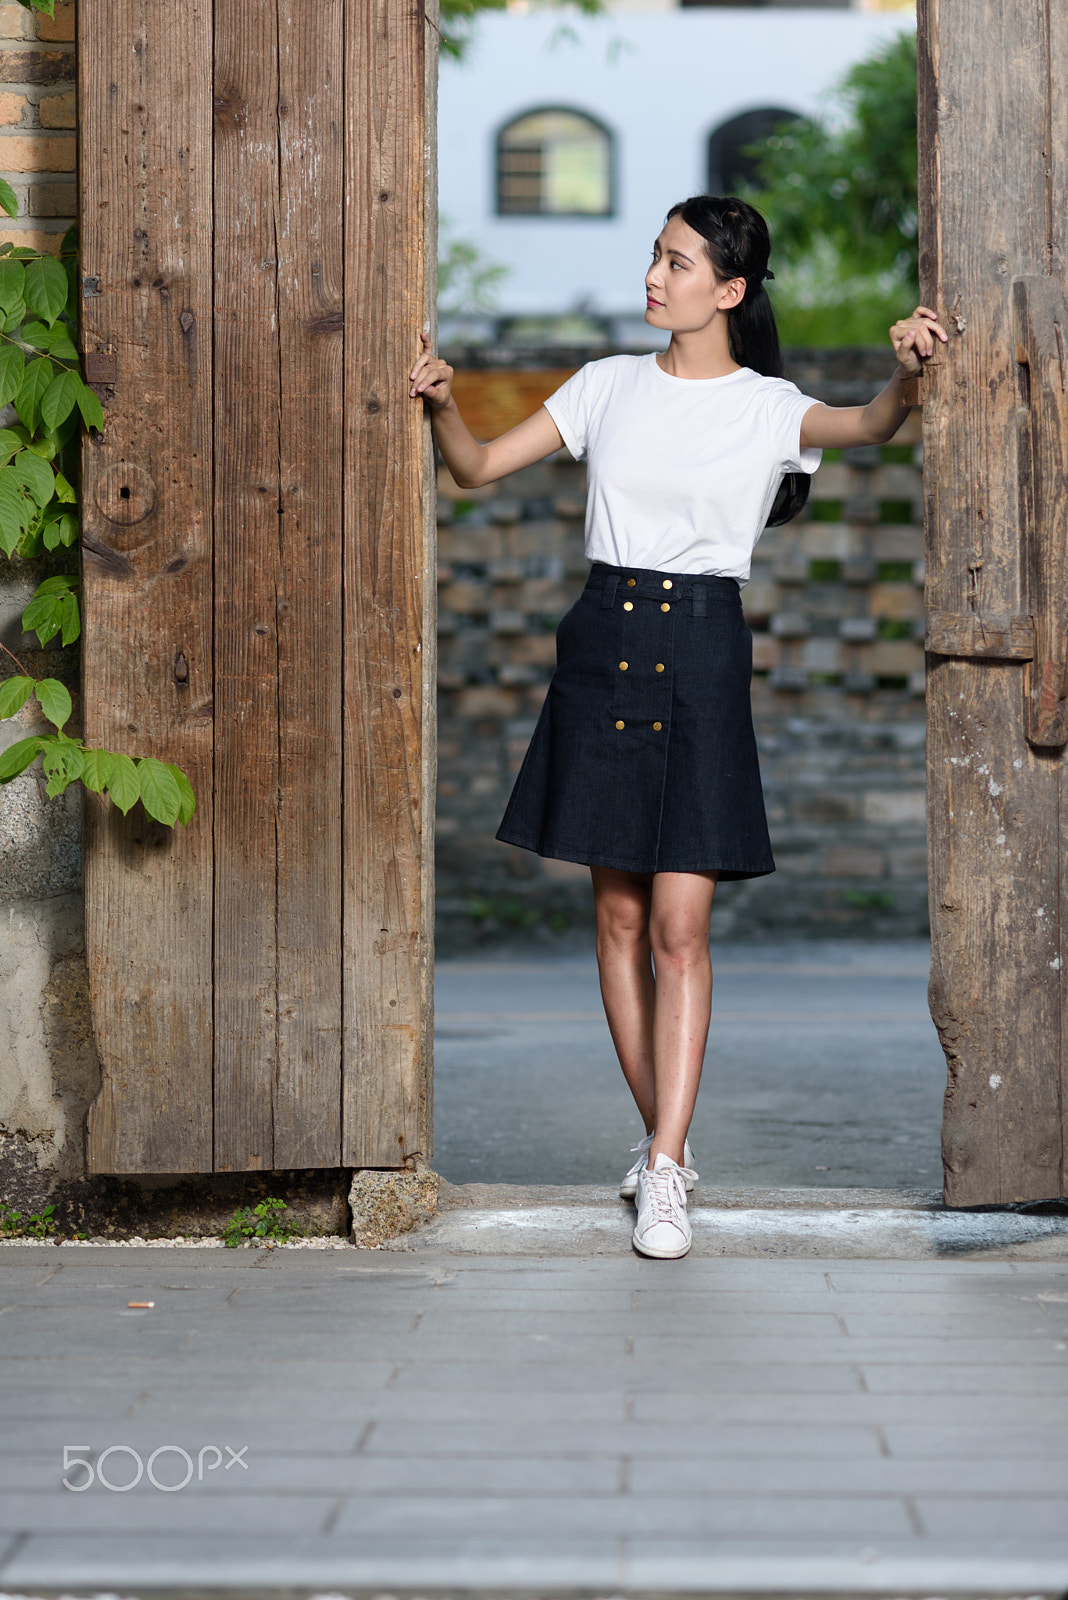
[682, 472]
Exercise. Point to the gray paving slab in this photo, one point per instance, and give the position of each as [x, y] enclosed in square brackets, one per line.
[422, 1443]
[680, 1517]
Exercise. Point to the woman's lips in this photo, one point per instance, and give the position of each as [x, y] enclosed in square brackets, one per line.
[651, 302]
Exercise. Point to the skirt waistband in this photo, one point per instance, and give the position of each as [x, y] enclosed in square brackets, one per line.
[647, 583]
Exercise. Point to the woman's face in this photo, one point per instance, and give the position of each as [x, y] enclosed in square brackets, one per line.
[681, 288]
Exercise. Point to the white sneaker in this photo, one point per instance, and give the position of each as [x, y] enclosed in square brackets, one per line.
[629, 1185]
[663, 1228]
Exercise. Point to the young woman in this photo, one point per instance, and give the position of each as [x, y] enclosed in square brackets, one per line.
[643, 764]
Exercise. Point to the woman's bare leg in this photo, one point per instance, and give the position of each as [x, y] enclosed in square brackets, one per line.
[680, 907]
[656, 984]
[624, 962]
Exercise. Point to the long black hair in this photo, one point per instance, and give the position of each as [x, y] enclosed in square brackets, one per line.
[738, 245]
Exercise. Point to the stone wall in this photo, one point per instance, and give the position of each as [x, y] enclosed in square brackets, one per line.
[836, 607]
[48, 1067]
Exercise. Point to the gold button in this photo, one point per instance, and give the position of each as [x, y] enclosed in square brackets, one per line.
[631, 582]
[660, 666]
[628, 605]
[667, 583]
[665, 607]
[620, 724]
[623, 666]
[657, 726]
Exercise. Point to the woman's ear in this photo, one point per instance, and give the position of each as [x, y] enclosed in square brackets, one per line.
[732, 294]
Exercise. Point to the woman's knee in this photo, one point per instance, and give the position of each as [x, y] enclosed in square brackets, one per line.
[679, 940]
[622, 919]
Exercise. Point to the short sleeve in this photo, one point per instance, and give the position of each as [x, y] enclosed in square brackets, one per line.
[786, 408]
[569, 407]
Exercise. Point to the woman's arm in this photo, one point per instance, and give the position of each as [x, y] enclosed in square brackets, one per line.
[835, 427]
[473, 464]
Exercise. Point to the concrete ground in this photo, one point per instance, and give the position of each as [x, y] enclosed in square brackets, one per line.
[823, 1070]
[844, 1390]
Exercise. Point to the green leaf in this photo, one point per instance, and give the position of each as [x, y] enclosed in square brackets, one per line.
[58, 584]
[159, 791]
[61, 345]
[17, 757]
[46, 286]
[16, 513]
[71, 618]
[33, 475]
[50, 534]
[12, 284]
[10, 441]
[124, 786]
[64, 492]
[44, 617]
[54, 700]
[12, 365]
[15, 317]
[188, 800]
[89, 406]
[59, 399]
[36, 379]
[97, 769]
[68, 529]
[8, 198]
[14, 693]
[63, 762]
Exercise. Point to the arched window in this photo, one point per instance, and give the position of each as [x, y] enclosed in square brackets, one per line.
[554, 163]
[728, 165]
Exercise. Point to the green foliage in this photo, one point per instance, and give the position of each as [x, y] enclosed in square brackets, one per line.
[458, 17]
[258, 1222]
[467, 279]
[40, 375]
[38, 1225]
[49, 9]
[840, 196]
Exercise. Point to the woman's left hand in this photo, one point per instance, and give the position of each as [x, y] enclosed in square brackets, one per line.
[913, 339]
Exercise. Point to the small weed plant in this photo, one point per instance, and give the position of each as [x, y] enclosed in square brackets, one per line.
[38, 1225]
[264, 1221]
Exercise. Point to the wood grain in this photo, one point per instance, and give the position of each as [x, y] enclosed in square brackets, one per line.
[387, 820]
[996, 974]
[144, 96]
[248, 579]
[984, 634]
[307, 1090]
[1042, 336]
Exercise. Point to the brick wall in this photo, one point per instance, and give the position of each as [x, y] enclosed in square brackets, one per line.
[37, 121]
[835, 604]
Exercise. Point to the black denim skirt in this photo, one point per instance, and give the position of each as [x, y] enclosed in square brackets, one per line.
[644, 756]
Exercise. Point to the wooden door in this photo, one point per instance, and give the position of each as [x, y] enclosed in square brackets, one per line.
[994, 233]
[257, 226]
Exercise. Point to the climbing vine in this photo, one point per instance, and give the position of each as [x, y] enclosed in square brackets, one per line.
[42, 384]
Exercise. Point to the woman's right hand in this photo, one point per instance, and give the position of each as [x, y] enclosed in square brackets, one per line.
[431, 377]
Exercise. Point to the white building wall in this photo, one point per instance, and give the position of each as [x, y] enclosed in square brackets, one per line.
[661, 82]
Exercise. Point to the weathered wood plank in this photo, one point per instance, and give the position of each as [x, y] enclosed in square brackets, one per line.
[307, 1092]
[146, 223]
[247, 581]
[1042, 334]
[992, 801]
[387, 820]
[987, 635]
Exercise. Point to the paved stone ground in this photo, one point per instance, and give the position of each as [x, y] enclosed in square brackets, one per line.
[428, 1420]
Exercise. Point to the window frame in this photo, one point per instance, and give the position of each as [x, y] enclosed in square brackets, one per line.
[612, 210]
[782, 114]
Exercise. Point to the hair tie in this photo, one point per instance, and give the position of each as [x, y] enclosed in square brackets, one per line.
[768, 273]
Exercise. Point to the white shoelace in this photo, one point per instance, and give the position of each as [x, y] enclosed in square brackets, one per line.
[667, 1191]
